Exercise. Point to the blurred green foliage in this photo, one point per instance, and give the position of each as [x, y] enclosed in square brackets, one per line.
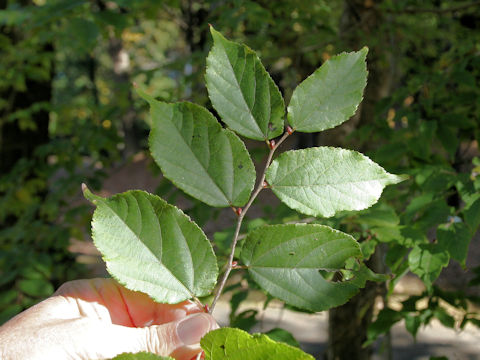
[68, 115]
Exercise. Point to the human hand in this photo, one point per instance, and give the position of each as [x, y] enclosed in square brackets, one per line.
[99, 319]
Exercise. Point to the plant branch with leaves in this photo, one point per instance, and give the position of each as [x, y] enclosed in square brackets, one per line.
[153, 247]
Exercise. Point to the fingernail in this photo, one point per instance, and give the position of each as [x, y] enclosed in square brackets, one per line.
[193, 328]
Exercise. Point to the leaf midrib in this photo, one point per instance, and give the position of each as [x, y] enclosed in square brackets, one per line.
[199, 162]
[241, 90]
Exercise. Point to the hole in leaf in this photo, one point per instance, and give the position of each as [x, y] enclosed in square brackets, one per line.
[337, 277]
[332, 276]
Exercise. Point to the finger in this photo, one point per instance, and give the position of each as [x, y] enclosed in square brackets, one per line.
[124, 307]
[179, 339]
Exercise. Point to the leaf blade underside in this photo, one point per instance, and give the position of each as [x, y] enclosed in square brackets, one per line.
[151, 246]
[242, 91]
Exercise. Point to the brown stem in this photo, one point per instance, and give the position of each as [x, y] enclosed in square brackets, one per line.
[241, 215]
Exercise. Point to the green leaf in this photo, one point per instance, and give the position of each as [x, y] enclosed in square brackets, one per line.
[283, 336]
[446, 319]
[471, 212]
[455, 238]
[412, 324]
[141, 356]
[198, 156]
[153, 247]
[331, 94]
[36, 287]
[242, 91]
[385, 320]
[322, 181]
[427, 261]
[236, 344]
[285, 258]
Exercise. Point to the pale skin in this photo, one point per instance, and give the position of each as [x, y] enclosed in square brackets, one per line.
[99, 319]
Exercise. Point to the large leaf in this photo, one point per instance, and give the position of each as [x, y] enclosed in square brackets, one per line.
[331, 94]
[153, 247]
[288, 261]
[322, 181]
[236, 344]
[242, 91]
[198, 156]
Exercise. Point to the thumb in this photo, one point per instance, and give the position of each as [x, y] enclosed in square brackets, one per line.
[179, 339]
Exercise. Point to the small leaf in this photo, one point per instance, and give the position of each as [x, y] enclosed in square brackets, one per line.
[153, 247]
[330, 95]
[386, 318]
[322, 181]
[427, 261]
[446, 319]
[283, 336]
[412, 324]
[455, 238]
[198, 156]
[141, 356]
[471, 212]
[236, 344]
[242, 91]
[285, 258]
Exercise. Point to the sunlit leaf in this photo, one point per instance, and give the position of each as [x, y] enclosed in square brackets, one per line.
[322, 181]
[242, 91]
[236, 344]
[153, 247]
[331, 94]
[283, 259]
[198, 156]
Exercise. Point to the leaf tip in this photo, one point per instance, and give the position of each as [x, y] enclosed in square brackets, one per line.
[399, 178]
[213, 31]
[148, 98]
[89, 195]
